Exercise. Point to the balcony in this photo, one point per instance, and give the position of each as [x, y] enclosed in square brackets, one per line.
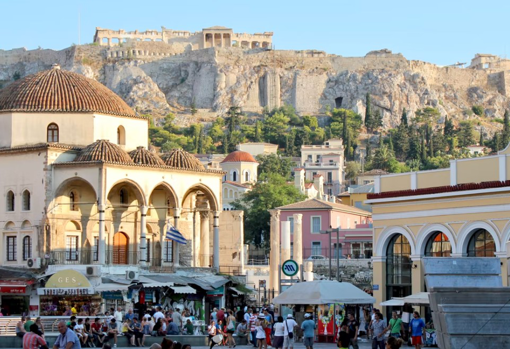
[315, 165]
[89, 256]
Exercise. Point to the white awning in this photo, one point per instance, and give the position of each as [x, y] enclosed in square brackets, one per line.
[394, 302]
[235, 290]
[111, 287]
[184, 289]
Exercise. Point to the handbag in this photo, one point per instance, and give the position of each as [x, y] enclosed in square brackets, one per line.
[291, 334]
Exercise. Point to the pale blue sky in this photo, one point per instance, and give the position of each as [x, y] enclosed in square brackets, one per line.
[441, 32]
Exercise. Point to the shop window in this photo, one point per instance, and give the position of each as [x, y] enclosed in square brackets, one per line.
[25, 202]
[72, 248]
[27, 248]
[11, 248]
[481, 244]
[168, 251]
[52, 133]
[438, 246]
[73, 201]
[10, 201]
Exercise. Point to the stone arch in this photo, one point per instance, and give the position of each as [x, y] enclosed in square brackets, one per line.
[505, 236]
[467, 231]
[209, 194]
[26, 225]
[387, 234]
[10, 226]
[85, 196]
[245, 44]
[170, 189]
[426, 232]
[72, 225]
[61, 190]
[131, 186]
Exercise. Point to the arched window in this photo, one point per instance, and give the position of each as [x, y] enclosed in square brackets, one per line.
[398, 267]
[438, 245]
[27, 248]
[10, 205]
[73, 201]
[52, 134]
[123, 196]
[234, 176]
[26, 200]
[247, 176]
[481, 244]
[121, 135]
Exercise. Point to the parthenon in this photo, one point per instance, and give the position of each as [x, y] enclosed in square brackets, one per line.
[216, 36]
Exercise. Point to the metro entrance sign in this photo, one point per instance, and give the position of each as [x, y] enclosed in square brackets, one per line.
[290, 268]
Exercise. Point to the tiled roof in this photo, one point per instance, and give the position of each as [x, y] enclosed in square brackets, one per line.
[238, 184]
[316, 204]
[239, 156]
[437, 190]
[181, 159]
[104, 151]
[57, 90]
[142, 156]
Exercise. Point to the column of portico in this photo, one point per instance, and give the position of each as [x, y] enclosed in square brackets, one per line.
[274, 255]
[221, 42]
[177, 215]
[379, 278]
[417, 277]
[285, 243]
[204, 239]
[298, 239]
[143, 236]
[504, 266]
[101, 249]
[216, 239]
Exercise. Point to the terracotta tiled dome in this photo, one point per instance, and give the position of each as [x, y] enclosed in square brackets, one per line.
[142, 156]
[57, 90]
[181, 159]
[103, 150]
[238, 156]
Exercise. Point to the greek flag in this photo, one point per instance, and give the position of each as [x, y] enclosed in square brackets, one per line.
[173, 234]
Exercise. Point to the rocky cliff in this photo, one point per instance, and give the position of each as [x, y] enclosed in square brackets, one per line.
[156, 79]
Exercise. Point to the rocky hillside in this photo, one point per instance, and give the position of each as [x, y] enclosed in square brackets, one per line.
[155, 80]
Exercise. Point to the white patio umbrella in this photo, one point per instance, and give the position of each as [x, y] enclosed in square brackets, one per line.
[323, 292]
[421, 298]
[394, 302]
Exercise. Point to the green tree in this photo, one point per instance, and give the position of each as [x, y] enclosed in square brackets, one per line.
[274, 128]
[258, 131]
[310, 121]
[477, 109]
[448, 127]
[481, 141]
[193, 107]
[224, 144]
[377, 120]
[427, 116]
[200, 145]
[401, 143]
[403, 118]
[272, 163]
[368, 112]
[265, 195]
[353, 120]
[352, 169]
[234, 118]
[382, 158]
[423, 149]
[466, 135]
[506, 129]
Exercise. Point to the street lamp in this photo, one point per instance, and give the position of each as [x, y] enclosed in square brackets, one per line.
[337, 231]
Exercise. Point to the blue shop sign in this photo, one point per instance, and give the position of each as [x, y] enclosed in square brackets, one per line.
[112, 295]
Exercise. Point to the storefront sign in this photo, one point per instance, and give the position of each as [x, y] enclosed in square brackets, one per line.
[12, 289]
[217, 292]
[112, 295]
[68, 278]
[65, 291]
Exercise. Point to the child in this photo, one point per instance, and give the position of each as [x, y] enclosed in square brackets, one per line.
[343, 338]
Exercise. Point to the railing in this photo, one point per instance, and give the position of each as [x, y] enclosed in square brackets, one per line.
[230, 270]
[89, 256]
[8, 323]
[318, 254]
[258, 257]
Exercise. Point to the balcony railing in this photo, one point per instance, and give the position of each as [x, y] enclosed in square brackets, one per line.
[89, 256]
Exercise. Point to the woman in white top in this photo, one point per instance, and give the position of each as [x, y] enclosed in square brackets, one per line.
[279, 332]
[212, 331]
[261, 333]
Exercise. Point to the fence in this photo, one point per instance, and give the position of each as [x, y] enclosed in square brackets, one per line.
[89, 256]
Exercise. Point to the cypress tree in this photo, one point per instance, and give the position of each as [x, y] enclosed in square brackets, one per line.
[481, 141]
[200, 146]
[368, 150]
[348, 148]
[423, 150]
[403, 118]
[368, 113]
[344, 129]
[506, 129]
[224, 144]
[391, 143]
[431, 148]
[380, 141]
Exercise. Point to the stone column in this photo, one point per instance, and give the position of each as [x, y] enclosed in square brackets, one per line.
[298, 238]
[417, 277]
[204, 239]
[241, 240]
[221, 42]
[285, 226]
[143, 237]
[101, 248]
[308, 271]
[177, 215]
[216, 240]
[379, 279]
[274, 255]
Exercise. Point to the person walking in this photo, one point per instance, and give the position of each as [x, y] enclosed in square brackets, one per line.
[344, 340]
[378, 328]
[288, 332]
[279, 333]
[261, 332]
[352, 330]
[395, 326]
[417, 330]
[67, 339]
[308, 326]
[231, 328]
[252, 326]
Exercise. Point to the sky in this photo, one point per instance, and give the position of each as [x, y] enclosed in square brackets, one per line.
[441, 32]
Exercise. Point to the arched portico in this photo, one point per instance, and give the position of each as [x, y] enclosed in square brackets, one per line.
[387, 234]
[428, 231]
[467, 231]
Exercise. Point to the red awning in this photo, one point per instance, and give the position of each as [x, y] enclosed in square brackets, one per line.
[15, 286]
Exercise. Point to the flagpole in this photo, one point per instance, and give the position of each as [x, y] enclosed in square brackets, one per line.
[177, 214]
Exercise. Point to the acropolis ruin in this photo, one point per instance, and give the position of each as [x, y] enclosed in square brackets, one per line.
[209, 37]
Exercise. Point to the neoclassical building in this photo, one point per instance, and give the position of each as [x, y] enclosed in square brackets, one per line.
[240, 174]
[461, 211]
[80, 187]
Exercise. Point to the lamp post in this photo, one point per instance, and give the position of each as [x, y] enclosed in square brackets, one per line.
[337, 231]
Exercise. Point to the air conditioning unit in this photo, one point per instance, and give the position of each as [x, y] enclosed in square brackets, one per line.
[93, 270]
[132, 274]
[34, 263]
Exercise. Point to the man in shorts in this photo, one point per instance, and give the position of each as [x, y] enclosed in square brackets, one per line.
[288, 332]
[417, 330]
[308, 327]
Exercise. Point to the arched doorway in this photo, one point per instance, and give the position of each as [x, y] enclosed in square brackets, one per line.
[120, 248]
[481, 244]
[438, 245]
[398, 267]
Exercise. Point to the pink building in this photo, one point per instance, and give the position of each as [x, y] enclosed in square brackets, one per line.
[355, 236]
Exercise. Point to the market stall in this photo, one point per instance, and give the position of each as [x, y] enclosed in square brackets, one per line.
[329, 299]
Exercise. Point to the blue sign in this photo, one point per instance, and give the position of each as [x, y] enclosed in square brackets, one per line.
[375, 287]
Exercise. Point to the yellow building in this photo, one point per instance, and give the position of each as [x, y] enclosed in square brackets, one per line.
[461, 211]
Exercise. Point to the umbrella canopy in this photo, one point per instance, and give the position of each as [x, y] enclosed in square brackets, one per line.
[323, 292]
[394, 302]
[421, 298]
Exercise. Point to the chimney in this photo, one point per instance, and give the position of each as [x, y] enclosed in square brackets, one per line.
[318, 183]
[299, 179]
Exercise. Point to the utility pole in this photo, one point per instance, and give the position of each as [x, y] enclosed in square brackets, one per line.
[331, 231]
